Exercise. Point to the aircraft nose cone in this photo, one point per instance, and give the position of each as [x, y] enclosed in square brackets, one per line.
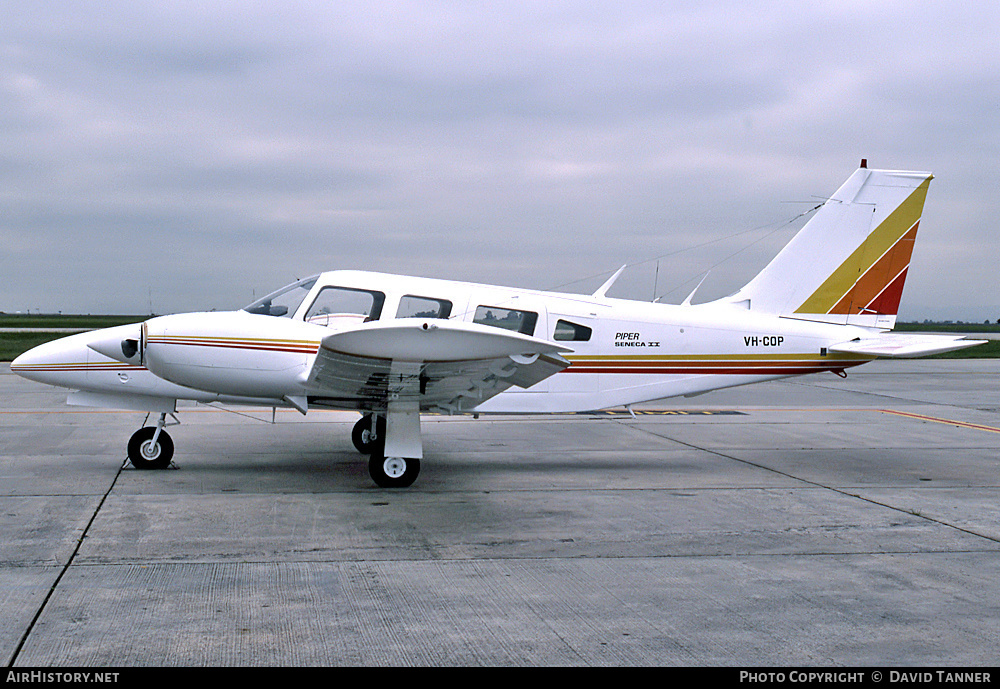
[42, 362]
[23, 362]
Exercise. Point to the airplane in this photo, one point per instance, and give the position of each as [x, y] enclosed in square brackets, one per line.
[393, 347]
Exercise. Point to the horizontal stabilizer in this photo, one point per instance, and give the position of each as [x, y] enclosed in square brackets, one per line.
[904, 345]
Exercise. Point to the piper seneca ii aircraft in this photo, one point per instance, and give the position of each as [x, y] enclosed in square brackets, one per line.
[392, 347]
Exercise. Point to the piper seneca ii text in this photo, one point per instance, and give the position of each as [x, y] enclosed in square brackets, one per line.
[632, 340]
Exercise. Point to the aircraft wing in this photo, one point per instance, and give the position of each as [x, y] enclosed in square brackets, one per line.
[904, 345]
[441, 365]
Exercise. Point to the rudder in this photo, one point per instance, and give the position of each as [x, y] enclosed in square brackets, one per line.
[848, 264]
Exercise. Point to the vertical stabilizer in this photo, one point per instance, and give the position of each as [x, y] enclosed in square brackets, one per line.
[849, 262]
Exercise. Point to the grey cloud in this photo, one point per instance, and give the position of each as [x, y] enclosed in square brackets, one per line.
[207, 152]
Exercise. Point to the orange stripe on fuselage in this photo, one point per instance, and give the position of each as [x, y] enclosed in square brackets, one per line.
[291, 346]
[77, 366]
[712, 365]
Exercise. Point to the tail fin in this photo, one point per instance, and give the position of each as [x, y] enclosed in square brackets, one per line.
[849, 262]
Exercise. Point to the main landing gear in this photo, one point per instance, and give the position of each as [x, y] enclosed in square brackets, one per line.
[393, 472]
[369, 437]
[151, 447]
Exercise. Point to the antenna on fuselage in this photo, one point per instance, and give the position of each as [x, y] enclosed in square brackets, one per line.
[687, 302]
[603, 289]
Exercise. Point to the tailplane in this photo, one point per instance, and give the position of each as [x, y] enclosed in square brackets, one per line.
[848, 264]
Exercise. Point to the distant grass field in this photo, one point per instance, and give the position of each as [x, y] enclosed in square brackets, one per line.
[948, 327]
[45, 320]
[990, 350]
[13, 344]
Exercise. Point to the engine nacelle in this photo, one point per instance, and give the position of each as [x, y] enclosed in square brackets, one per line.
[231, 353]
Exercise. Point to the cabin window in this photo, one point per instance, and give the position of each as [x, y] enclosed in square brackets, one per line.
[571, 332]
[423, 307]
[344, 306]
[509, 319]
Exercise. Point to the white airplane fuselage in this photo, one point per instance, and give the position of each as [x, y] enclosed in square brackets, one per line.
[623, 352]
[393, 347]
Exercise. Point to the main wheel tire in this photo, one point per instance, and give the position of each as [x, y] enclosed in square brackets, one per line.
[361, 435]
[393, 472]
[144, 455]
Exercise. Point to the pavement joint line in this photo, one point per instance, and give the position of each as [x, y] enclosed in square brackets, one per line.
[458, 560]
[616, 415]
[894, 398]
[840, 491]
[63, 570]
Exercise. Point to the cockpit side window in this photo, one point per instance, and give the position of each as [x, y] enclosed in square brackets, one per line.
[284, 302]
[509, 319]
[412, 306]
[344, 306]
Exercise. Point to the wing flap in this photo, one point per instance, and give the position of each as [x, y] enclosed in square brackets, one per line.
[905, 345]
[443, 365]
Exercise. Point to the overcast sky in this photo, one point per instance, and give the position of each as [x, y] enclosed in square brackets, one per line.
[183, 156]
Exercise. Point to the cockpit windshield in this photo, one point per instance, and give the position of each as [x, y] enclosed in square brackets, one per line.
[285, 301]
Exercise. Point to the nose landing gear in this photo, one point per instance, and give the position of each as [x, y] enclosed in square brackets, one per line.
[151, 447]
[368, 431]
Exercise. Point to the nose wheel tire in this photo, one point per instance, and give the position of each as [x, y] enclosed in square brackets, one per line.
[362, 434]
[393, 472]
[143, 454]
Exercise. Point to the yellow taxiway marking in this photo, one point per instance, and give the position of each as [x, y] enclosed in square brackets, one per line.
[644, 412]
[950, 422]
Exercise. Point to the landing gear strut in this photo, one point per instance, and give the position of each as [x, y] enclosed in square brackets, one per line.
[151, 447]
